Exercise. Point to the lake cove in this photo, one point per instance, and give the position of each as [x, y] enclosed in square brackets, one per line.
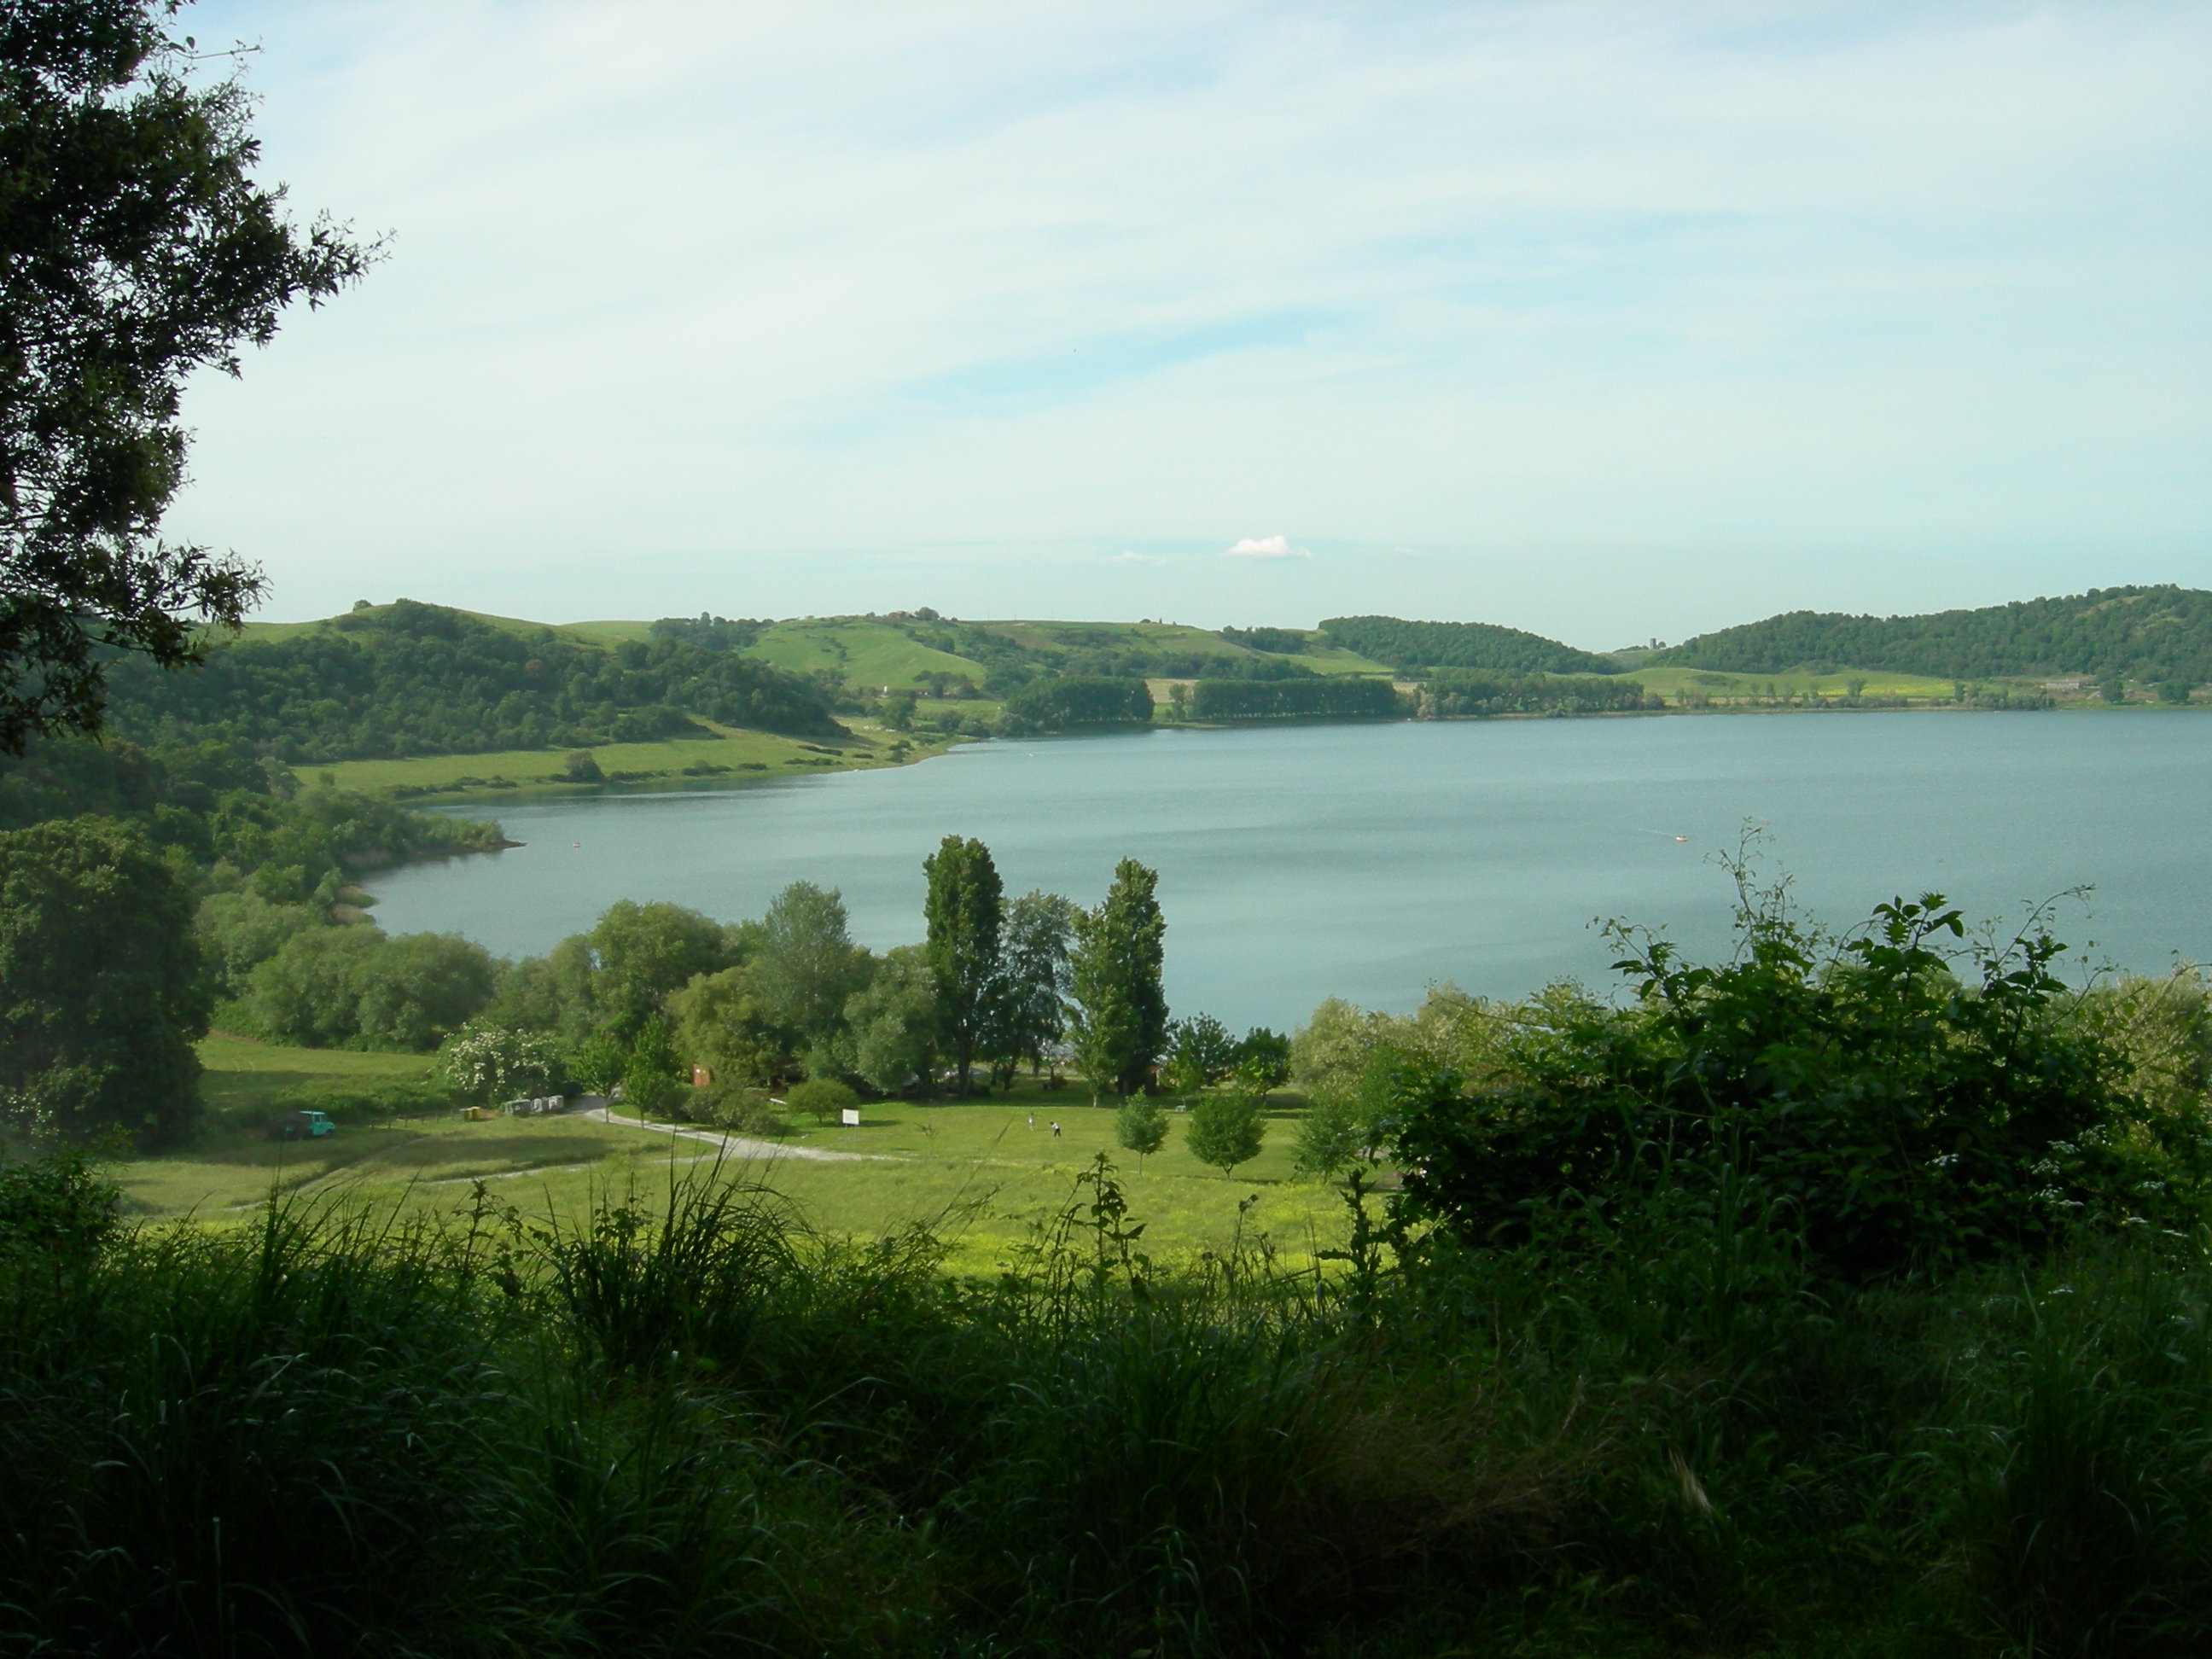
[1366, 861]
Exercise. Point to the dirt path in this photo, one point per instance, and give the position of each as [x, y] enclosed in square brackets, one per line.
[745, 1146]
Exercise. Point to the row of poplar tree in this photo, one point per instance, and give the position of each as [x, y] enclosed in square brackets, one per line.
[655, 990]
[1093, 977]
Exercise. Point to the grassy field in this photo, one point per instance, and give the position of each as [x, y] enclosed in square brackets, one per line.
[1167, 637]
[729, 756]
[1672, 683]
[869, 655]
[242, 1075]
[985, 1175]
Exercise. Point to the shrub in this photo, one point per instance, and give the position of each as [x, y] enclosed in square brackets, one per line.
[488, 1062]
[821, 1099]
[329, 987]
[238, 931]
[1865, 1094]
[739, 1110]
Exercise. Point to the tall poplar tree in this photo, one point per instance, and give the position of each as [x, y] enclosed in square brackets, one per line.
[1120, 1019]
[963, 911]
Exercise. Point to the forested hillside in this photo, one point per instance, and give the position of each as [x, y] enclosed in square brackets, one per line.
[1460, 645]
[2146, 634]
[419, 679]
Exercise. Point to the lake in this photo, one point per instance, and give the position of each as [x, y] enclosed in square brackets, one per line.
[1367, 861]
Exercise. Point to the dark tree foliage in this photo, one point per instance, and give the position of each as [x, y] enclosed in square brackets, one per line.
[1881, 1106]
[1460, 645]
[135, 247]
[1263, 1057]
[1065, 702]
[420, 679]
[226, 811]
[1128, 662]
[328, 987]
[1286, 642]
[962, 910]
[101, 991]
[710, 632]
[2146, 634]
[1313, 699]
[1456, 693]
[640, 953]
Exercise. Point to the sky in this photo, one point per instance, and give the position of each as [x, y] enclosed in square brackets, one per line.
[1613, 321]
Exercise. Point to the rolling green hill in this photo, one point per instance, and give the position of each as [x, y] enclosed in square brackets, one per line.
[404, 679]
[408, 683]
[2150, 635]
[861, 652]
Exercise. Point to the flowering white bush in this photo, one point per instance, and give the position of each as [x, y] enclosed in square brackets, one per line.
[488, 1062]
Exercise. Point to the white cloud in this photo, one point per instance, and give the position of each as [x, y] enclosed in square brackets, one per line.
[1265, 547]
[1136, 558]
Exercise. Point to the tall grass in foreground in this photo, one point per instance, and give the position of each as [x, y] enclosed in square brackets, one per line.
[684, 1424]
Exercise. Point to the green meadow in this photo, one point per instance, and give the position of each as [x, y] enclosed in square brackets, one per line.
[867, 655]
[1674, 683]
[984, 1175]
[730, 755]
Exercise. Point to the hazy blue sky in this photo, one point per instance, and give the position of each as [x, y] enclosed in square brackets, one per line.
[1608, 320]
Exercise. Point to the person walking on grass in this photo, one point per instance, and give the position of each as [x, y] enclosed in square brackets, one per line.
[1055, 1128]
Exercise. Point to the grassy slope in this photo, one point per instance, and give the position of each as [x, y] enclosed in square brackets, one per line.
[980, 1169]
[868, 654]
[1172, 636]
[1672, 682]
[741, 754]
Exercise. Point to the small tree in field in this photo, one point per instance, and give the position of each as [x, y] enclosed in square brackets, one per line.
[1141, 1126]
[1225, 1130]
[821, 1099]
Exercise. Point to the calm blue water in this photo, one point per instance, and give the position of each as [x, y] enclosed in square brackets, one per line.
[1301, 862]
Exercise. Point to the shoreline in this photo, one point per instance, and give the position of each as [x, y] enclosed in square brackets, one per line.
[473, 791]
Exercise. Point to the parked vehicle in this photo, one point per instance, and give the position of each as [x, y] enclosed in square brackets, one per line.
[301, 1126]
